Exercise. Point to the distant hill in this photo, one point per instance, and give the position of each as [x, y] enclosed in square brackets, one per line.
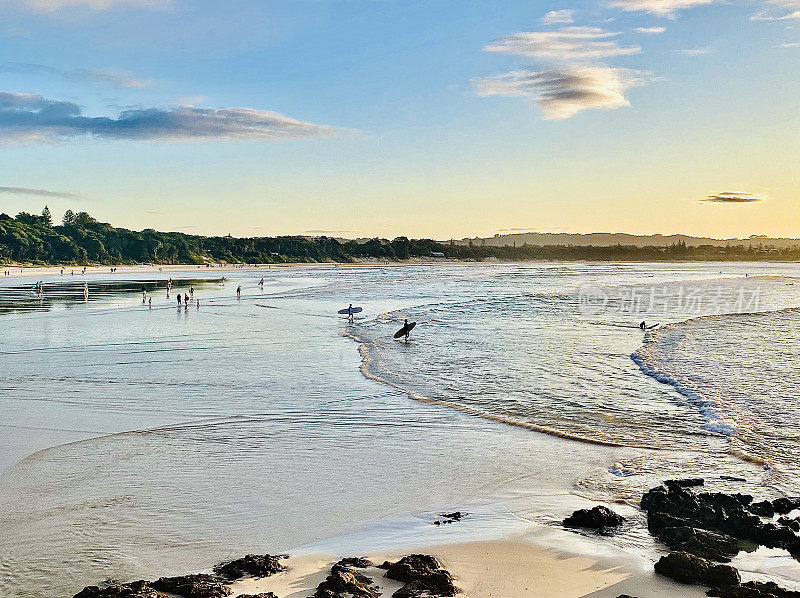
[610, 239]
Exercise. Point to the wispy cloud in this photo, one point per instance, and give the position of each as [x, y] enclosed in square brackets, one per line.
[693, 51]
[563, 92]
[558, 17]
[105, 77]
[566, 43]
[662, 8]
[48, 6]
[735, 197]
[329, 232]
[651, 30]
[28, 117]
[37, 192]
[784, 10]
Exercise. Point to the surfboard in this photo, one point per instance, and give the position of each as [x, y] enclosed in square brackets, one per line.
[405, 329]
[345, 311]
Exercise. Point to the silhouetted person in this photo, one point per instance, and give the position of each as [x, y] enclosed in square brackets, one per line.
[405, 326]
[238, 292]
[642, 325]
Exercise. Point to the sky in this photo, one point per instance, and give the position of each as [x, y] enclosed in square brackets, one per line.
[445, 119]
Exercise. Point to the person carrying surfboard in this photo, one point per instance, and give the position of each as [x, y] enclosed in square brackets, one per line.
[350, 312]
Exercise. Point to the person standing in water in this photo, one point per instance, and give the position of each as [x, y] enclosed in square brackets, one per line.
[179, 300]
[144, 294]
[643, 325]
[350, 312]
[405, 326]
[85, 291]
[261, 284]
[150, 303]
[191, 292]
[239, 292]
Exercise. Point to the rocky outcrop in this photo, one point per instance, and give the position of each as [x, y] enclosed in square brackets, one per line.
[687, 568]
[251, 565]
[422, 576]
[200, 585]
[135, 589]
[680, 518]
[344, 582]
[599, 518]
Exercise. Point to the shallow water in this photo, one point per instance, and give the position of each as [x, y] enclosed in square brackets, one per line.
[259, 424]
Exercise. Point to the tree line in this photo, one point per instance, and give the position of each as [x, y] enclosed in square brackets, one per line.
[81, 239]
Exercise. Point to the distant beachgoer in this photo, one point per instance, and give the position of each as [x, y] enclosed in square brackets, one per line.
[643, 325]
[72, 273]
[198, 303]
[144, 294]
[150, 303]
[239, 292]
[85, 291]
[179, 299]
[261, 283]
[191, 293]
[350, 312]
[62, 271]
[405, 325]
[186, 299]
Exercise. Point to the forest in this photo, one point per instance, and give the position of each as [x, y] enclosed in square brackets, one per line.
[81, 239]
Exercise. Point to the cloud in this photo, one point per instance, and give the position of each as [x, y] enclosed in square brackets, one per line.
[563, 92]
[566, 43]
[38, 192]
[651, 30]
[107, 77]
[693, 51]
[48, 6]
[763, 16]
[662, 8]
[557, 17]
[735, 197]
[789, 8]
[28, 117]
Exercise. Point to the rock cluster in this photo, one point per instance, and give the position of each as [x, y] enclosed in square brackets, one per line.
[708, 524]
[450, 517]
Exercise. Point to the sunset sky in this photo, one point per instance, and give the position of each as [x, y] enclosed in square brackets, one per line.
[387, 117]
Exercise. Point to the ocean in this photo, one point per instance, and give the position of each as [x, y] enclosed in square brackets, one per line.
[137, 441]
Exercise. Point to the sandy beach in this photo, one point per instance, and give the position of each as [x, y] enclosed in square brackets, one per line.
[511, 568]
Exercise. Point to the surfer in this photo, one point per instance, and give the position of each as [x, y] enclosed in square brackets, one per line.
[261, 283]
[350, 312]
[406, 328]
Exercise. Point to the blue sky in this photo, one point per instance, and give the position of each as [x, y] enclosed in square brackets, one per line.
[383, 117]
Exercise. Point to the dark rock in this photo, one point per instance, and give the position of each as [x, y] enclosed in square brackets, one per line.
[700, 542]
[685, 483]
[731, 478]
[754, 589]
[786, 505]
[450, 517]
[251, 565]
[345, 582]
[792, 524]
[135, 589]
[691, 569]
[598, 517]
[384, 565]
[261, 595]
[355, 561]
[673, 507]
[200, 585]
[763, 508]
[422, 576]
